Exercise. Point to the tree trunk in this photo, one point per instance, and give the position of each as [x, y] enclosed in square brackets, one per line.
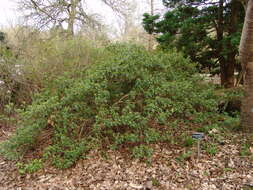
[230, 82]
[246, 57]
[230, 62]
[72, 17]
[227, 65]
[222, 60]
[223, 66]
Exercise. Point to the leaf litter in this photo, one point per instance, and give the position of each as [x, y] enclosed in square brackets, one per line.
[226, 170]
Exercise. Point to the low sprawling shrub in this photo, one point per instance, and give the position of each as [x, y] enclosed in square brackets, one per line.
[129, 99]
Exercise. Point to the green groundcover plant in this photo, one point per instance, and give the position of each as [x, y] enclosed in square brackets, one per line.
[129, 99]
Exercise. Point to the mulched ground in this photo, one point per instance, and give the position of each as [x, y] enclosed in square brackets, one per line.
[227, 170]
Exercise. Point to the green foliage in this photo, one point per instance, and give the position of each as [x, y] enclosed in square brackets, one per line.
[189, 141]
[194, 28]
[232, 123]
[30, 167]
[211, 149]
[128, 98]
[231, 101]
[245, 150]
[6, 115]
[65, 153]
[149, 21]
[155, 182]
[2, 36]
[142, 152]
[184, 156]
[227, 170]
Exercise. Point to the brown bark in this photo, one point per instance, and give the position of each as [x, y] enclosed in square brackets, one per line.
[227, 65]
[246, 57]
[230, 63]
[227, 72]
[220, 31]
[231, 70]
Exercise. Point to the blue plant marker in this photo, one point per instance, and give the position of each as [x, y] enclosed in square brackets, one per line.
[199, 137]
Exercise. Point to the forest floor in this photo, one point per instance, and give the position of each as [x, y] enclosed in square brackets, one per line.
[169, 170]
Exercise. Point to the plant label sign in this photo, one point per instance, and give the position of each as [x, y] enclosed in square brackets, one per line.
[198, 136]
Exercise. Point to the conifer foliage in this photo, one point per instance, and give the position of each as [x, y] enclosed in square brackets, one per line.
[206, 31]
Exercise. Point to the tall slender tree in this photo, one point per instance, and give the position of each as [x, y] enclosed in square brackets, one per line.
[246, 57]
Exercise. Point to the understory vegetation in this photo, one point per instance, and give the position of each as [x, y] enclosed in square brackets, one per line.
[117, 96]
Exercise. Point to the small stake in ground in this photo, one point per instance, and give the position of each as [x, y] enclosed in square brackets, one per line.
[198, 137]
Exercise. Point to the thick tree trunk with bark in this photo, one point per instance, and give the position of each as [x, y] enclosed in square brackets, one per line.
[246, 57]
[227, 72]
[227, 64]
[223, 72]
[226, 68]
[228, 78]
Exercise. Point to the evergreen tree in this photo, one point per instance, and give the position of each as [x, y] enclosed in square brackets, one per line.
[206, 31]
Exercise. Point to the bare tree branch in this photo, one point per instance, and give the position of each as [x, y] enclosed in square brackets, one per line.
[50, 13]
